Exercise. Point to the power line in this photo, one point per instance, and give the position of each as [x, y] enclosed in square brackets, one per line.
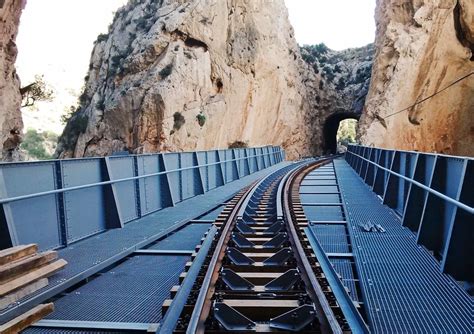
[432, 95]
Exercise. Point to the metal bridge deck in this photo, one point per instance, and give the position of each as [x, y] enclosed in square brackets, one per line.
[96, 253]
[132, 292]
[39, 330]
[185, 239]
[404, 290]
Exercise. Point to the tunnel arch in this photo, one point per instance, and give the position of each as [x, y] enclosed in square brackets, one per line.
[331, 125]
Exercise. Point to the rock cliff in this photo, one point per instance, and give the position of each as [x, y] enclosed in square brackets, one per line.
[344, 78]
[11, 124]
[185, 75]
[423, 47]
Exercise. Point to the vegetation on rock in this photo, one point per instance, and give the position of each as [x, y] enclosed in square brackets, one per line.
[201, 118]
[39, 145]
[166, 71]
[37, 91]
[179, 121]
[238, 144]
[347, 132]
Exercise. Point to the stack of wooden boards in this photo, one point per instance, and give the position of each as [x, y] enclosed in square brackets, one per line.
[22, 272]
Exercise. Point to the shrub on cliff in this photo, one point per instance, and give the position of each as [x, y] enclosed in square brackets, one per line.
[201, 119]
[179, 121]
[37, 144]
[37, 91]
[166, 71]
[238, 144]
[102, 38]
[76, 125]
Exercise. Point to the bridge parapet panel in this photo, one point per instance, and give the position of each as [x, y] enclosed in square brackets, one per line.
[433, 196]
[58, 202]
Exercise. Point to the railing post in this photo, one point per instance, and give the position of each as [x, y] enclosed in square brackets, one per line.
[8, 237]
[392, 184]
[108, 176]
[168, 198]
[112, 215]
[201, 178]
[369, 175]
[137, 187]
[457, 258]
[60, 202]
[438, 215]
[222, 165]
[247, 171]
[236, 163]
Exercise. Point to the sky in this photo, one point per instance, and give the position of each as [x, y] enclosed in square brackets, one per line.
[56, 38]
[340, 24]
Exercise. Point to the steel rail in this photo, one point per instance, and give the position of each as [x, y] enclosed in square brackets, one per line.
[203, 303]
[170, 320]
[353, 317]
[279, 207]
[329, 323]
[132, 178]
[418, 184]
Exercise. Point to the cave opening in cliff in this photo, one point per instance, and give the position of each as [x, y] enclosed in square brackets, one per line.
[339, 130]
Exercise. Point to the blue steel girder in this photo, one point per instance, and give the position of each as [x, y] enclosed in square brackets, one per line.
[69, 200]
[433, 195]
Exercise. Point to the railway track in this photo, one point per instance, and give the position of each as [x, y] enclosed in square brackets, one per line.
[260, 274]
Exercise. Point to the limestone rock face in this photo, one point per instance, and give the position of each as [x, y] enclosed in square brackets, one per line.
[344, 78]
[11, 124]
[176, 75]
[422, 47]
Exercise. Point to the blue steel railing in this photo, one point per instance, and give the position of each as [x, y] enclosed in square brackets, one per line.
[432, 193]
[54, 203]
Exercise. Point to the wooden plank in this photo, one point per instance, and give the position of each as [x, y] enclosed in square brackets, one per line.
[23, 292]
[17, 268]
[27, 319]
[17, 252]
[21, 281]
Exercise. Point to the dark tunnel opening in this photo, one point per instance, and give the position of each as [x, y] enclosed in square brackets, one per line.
[331, 127]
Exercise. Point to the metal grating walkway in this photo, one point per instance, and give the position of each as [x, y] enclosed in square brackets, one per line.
[69, 331]
[404, 290]
[131, 292]
[185, 239]
[115, 244]
[318, 189]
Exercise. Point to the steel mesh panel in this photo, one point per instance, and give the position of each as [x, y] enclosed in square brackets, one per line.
[323, 213]
[321, 172]
[185, 239]
[404, 288]
[345, 268]
[68, 331]
[319, 177]
[319, 198]
[329, 230]
[131, 292]
[213, 214]
[318, 189]
[333, 239]
[97, 249]
[307, 182]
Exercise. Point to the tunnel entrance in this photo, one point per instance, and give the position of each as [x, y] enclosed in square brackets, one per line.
[334, 125]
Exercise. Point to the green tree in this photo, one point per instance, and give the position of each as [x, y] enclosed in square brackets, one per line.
[39, 90]
[346, 133]
[38, 145]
